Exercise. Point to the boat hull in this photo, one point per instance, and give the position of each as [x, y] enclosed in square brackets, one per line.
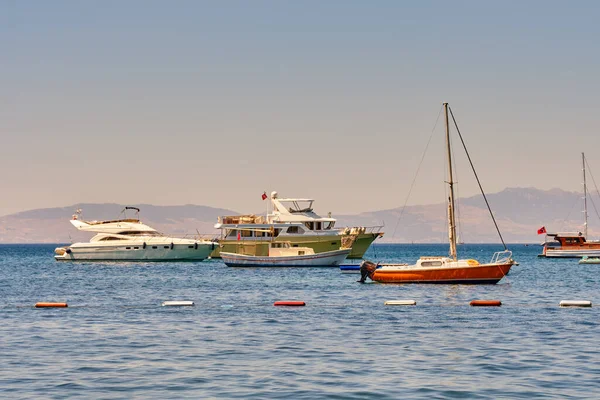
[319, 244]
[571, 253]
[326, 259]
[135, 252]
[479, 274]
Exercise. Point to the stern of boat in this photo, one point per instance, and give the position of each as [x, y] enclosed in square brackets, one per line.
[62, 253]
[366, 270]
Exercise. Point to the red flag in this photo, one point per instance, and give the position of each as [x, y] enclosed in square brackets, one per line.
[542, 230]
[264, 195]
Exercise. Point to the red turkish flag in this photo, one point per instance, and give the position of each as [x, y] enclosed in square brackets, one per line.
[264, 195]
[542, 230]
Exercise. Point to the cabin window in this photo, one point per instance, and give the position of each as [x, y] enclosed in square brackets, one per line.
[246, 233]
[166, 247]
[155, 247]
[295, 229]
[309, 225]
[111, 238]
[300, 252]
[135, 248]
[327, 225]
[318, 226]
[431, 264]
[127, 248]
[295, 245]
[190, 247]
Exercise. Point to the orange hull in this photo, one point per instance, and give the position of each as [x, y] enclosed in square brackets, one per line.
[480, 274]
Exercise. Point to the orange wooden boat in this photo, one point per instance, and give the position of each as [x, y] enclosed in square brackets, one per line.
[440, 270]
[445, 269]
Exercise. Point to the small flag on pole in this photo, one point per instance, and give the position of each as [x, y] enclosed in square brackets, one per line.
[264, 195]
[542, 230]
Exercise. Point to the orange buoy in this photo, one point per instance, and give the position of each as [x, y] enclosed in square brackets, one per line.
[51, 305]
[486, 303]
[290, 303]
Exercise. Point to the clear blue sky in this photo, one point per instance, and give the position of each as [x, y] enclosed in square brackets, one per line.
[213, 102]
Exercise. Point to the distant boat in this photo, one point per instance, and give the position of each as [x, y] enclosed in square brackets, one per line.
[282, 254]
[589, 260]
[572, 244]
[130, 240]
[444, 269]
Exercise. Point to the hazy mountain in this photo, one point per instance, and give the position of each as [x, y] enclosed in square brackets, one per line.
[519, 213]
[51, 225]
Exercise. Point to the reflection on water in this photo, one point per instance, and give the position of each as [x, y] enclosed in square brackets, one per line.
[115, 340]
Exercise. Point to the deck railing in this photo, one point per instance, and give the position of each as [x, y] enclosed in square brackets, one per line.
[501, 257]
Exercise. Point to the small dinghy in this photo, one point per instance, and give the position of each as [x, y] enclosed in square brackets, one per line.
[282, 254]
[589, 260]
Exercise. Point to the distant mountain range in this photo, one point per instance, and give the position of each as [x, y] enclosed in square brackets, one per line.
[518, 211]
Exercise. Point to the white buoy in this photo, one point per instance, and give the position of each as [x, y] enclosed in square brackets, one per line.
[177, 303]
[400, 303]
[575, 303]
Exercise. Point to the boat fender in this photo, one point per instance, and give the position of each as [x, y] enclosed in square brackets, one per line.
[486, 303]
[196, 246]
[575, 303]
[171, 245]
[400, 303]
[176, 303]
[212, 245]
[50, 305]
[290, 303]
[144, 245]
[68, 251]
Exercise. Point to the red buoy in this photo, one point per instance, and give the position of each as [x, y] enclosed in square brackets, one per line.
[486, 303]
[50, 305]
[290, 303]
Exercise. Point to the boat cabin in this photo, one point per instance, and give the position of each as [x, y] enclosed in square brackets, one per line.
[285, 249]
[565, 239]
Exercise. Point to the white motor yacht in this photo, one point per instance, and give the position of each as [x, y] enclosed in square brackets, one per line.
[130, 240]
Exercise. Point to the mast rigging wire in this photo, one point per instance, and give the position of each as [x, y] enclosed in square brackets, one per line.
[417, 173]
[477, 178]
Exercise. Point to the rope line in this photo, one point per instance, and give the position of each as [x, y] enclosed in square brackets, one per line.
[417, 173]
[477, 178]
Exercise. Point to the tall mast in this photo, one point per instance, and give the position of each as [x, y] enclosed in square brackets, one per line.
[451, 220]
[585, 213]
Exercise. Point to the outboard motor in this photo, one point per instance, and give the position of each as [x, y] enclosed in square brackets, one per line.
[366, 269]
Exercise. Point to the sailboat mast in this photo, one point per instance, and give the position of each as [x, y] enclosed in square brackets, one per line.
[451, 218]
[585, 213]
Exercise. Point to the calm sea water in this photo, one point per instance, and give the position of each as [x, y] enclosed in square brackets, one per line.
[116, 341]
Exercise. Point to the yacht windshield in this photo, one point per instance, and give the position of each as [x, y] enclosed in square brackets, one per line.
[141, 233]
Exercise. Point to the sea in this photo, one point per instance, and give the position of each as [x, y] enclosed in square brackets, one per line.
[116, 341]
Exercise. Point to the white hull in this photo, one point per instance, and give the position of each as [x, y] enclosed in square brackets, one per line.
[575, 253]
[325, 259]
[136, 252]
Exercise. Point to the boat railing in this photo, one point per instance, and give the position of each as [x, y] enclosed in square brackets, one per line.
[501, 257]
[362, 229]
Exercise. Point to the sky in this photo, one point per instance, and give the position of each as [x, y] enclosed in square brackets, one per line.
[212, 103]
